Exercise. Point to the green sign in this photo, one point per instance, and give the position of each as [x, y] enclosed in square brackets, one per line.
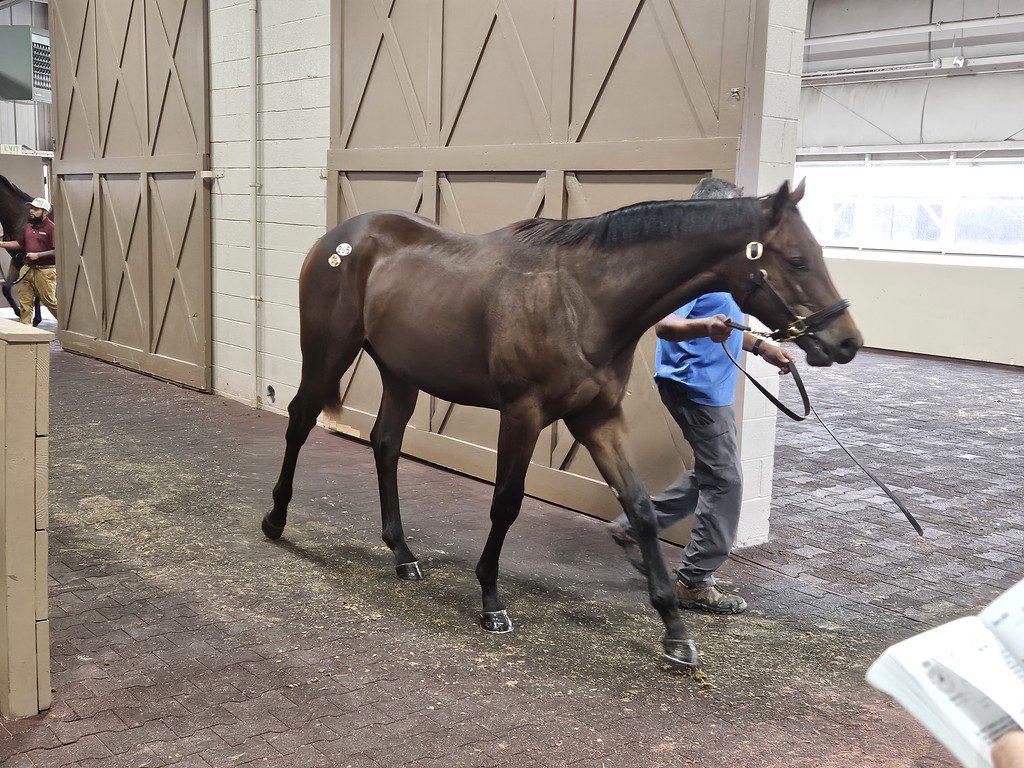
[10, 149]
[16, 63]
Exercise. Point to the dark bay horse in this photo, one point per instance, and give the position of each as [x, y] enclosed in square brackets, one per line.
[540, 320]
[14, 218]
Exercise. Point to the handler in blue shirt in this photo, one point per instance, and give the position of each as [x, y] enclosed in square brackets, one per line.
[697, 382]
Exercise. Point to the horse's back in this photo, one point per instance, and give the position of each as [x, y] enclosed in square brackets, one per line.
[427, 300]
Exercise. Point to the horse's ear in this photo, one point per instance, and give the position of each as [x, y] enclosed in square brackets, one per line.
[779, 202]
[798, 194]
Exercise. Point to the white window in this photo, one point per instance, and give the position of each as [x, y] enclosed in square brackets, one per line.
[942, 206]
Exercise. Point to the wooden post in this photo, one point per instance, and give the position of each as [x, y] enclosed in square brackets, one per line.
[24, 426]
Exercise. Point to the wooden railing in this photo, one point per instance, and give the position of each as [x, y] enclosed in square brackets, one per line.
[24, 519]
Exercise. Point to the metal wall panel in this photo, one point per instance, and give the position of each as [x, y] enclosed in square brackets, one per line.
[477, 114]
[947, 110]
[133, 222]
[1000, 33]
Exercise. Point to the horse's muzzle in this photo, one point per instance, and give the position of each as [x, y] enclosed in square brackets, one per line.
[822, 350]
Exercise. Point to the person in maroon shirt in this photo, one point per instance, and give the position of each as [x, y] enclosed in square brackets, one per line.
[38, 276]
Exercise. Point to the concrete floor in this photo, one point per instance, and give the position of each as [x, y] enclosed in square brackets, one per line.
[182, 637]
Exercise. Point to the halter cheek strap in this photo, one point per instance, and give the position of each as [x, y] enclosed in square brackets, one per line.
[799, 325]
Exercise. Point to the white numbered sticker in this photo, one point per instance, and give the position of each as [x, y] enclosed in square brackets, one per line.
[334, 260]
[343, 250]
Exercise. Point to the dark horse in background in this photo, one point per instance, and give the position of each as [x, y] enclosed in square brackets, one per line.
[540, 320]
[14, 219]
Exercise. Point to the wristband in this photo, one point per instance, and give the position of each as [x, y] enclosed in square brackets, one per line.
[756, 349]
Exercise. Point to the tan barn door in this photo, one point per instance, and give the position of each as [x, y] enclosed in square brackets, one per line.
[133, 210]
[477, 113]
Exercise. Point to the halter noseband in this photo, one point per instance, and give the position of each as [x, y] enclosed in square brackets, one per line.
[798, 324]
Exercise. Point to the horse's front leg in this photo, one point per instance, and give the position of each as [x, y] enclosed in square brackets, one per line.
[602, 431]
[517, 437]
[11, 300]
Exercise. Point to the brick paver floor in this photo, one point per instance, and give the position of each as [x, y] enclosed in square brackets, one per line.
[181, 637]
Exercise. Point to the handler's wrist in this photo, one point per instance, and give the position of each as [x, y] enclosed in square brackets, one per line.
[756, 349]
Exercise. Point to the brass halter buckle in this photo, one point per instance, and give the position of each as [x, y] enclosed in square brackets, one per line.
[755, 250]
[797, 328]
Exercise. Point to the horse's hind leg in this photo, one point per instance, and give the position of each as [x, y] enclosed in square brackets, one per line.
[323, 363]
[396, 406]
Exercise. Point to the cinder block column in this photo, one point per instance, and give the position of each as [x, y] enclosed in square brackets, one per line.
[24, 426]
[767, 155]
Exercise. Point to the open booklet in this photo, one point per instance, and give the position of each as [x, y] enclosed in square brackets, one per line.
[964, 681]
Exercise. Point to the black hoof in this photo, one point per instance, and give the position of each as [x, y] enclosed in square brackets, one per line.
[496, 621]
[270, 530]
[409, 571]
[680, 654]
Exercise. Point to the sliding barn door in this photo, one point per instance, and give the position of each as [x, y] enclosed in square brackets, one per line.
[477, 113]
[132, 208]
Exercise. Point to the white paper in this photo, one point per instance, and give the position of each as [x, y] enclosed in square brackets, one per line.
[974, 683]
[1005, 617]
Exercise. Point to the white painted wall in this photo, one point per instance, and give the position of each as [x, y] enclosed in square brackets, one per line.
[294, 94]
[966, 307]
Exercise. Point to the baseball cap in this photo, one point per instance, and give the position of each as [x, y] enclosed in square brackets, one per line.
[42, 203]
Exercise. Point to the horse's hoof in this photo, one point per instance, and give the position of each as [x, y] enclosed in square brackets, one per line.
[680, 654]
[498, 622]
[409, 571]
[270, 530]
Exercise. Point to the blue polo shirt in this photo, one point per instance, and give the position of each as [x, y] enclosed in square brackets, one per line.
[701, 365]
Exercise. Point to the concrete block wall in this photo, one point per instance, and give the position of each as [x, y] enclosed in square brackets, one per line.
[771, 132]
[294, 117]
[780, 108]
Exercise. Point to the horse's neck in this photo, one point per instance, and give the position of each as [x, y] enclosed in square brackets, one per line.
[640, 284]
[13, 213]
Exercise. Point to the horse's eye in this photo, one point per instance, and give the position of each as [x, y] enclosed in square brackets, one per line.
[796, 262]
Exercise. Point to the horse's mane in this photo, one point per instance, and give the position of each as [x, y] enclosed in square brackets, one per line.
[14, 189]
[639, 223]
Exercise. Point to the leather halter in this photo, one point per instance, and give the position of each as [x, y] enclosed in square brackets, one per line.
[798, 324]
[802, 326]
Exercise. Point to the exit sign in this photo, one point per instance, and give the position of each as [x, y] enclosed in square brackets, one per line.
[10, 149]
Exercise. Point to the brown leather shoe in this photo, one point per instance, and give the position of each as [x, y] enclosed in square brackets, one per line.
[710, 599]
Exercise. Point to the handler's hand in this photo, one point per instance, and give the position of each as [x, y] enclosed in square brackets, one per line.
[779, 357]
[718, 331]
[31, 257]
[1009, 750]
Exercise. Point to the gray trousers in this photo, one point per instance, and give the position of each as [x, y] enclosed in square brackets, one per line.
[712, 490]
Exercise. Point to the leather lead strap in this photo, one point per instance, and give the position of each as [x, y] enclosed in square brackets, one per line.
[774, 400]
[809, 409]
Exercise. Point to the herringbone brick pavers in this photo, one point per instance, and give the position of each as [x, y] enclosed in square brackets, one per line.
[181, 637]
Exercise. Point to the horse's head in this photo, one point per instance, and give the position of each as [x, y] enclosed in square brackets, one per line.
[784, 283]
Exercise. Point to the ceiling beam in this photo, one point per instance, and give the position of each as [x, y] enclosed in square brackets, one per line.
[934, 27]
[946, 66]
[938, 149]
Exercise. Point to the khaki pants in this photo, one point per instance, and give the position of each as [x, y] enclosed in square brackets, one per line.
[36, 281]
